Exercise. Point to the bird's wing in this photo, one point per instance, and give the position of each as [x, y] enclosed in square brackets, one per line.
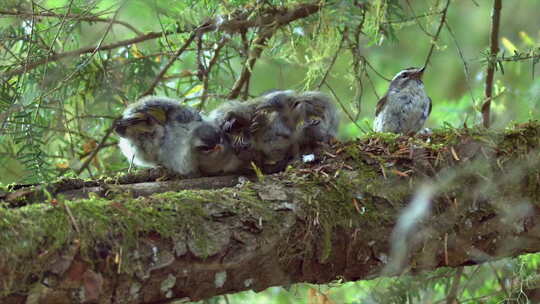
[260, 120]
[236, 127]
[380, 105]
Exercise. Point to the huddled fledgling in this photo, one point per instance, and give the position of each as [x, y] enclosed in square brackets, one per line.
[268, 131]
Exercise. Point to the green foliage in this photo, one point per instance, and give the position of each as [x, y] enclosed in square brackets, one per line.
[55, 113]
[477, 284]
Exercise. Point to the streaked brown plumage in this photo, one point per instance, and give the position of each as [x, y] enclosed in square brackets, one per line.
[272, 129]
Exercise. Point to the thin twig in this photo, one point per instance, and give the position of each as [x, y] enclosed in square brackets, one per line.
[96, 150]
[436, 36]
[246, 43]
[71, 16]
[519, 57]
[345, 110]
[372, 86]
[374, 70]
[256, 52]
[201, 67]
[34, 64]
[465, 65]
[72, 218]
[161, 73]
[494, 50]
[499, 280]
[452, 294]
[333, 61]
[267, 27]
[417, 21]
[354, 47]
[206, 75]
[245, 93]
[412, 18]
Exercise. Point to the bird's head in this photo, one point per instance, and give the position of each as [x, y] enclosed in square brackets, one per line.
[140, 122]
[207, 140]
[150, 115]
[280, 105]
[406, 77]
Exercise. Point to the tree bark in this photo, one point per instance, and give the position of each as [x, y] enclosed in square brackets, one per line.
[313, 223]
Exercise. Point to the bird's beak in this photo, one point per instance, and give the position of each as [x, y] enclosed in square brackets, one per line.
[218, 148]
[418, 74]
[119, 127]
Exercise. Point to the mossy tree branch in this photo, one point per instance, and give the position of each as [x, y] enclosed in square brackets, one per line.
[313, 223]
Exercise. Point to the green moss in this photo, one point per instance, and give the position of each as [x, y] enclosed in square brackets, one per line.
[334, 206]
[116, 224]
[358, 198]
[330, 204]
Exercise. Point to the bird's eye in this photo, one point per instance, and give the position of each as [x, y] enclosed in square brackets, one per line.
[206, 149]
[404, 75]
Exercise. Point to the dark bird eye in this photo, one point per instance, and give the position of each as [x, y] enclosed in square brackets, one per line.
[404, 75]
[205, 149]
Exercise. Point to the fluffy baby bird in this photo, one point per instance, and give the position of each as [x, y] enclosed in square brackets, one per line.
[320, 120]
[155, 131]
[213, 153]
[406, 106]
[258, 129]
[298, 122]
[272, 129]
[158, 131]
[275, 128]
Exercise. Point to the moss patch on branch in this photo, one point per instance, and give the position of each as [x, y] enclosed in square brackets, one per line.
[361, 185]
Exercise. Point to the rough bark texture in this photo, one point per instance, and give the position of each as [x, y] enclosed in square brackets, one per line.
[313, 223]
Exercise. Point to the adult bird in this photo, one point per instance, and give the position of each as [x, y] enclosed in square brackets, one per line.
[406, 106]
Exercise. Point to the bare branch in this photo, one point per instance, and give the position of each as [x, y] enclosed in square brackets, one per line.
[494, 50]
[256, 52]
[268, 25]
[88, 50]
[345, 110]
[206, 75]
[462, 57]
[272, 18]
[436, 37]
[204, 243]
[95, 151]
[452, 294]
[333, 61]
[23, 14]
[161, 73]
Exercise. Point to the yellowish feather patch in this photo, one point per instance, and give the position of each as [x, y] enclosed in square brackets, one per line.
[159, 114]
